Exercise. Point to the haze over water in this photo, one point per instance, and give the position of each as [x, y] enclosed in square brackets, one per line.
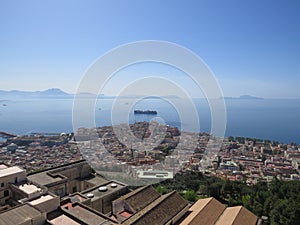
[273, 119]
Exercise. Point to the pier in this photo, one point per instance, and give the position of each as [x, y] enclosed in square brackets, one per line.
[7, 135]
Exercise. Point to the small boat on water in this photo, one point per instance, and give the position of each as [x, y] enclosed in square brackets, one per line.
[151, 112]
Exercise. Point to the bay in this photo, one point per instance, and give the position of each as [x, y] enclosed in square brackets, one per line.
[272, 119]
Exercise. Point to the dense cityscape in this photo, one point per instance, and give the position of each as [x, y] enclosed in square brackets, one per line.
[247, 161]
[240, 158]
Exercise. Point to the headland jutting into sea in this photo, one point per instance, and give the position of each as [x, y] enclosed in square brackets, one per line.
[239, 158]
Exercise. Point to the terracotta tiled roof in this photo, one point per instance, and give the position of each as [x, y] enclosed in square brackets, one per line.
[160, 211]
[237, 215]
[204, 212]
[141, 197]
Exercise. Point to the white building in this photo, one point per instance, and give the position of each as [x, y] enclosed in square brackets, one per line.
[9, 175]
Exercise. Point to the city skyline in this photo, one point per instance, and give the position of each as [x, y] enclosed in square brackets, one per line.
[253, 48]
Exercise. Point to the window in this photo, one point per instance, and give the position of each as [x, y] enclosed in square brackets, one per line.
[2, 184]
[6, 193]
[74, 190]
[60, 192]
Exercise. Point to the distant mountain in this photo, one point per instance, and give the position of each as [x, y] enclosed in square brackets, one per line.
[249, 97]
[50, 93]
[242, 97]
[53, 91]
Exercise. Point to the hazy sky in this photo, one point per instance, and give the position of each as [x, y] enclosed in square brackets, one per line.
[253, 47]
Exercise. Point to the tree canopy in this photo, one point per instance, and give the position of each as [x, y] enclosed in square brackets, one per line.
[277, 200]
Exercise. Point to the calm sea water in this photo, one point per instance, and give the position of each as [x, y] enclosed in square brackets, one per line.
[266, 119]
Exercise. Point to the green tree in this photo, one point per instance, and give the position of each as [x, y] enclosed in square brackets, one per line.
[162, 189]
[190, 195]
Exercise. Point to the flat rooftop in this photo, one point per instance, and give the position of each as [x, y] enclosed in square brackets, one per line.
[155, 174]
[10, 171]
[79, 197]
[29, 188]
[99, 194]
[87, 216]
[97, 180]
[19, 215]
[53, 175]
[41, 199]
[44, 178]
[63, 220]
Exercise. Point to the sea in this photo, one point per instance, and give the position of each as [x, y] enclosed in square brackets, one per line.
[267, 119]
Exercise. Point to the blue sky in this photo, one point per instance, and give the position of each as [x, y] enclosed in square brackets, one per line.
[253, 47]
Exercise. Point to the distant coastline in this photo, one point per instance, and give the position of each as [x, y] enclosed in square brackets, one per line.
[245, 97]
[58, 93]
[49, 93]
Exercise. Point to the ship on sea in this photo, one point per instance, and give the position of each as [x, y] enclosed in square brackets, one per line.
[152, 112]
